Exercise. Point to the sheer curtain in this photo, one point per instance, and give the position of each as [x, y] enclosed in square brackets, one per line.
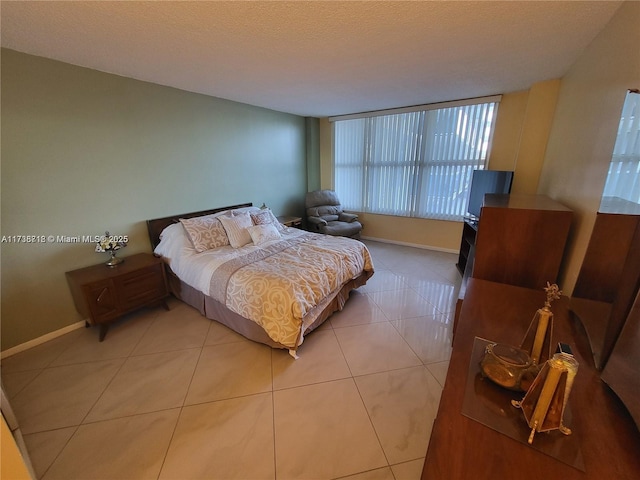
[414, 163]
[623, 180]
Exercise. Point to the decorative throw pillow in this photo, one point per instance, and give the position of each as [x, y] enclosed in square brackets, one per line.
[236, 228]
[265, 217]
[205, 232]
[263, 233]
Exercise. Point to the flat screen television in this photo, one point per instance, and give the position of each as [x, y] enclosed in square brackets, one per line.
[487, 181]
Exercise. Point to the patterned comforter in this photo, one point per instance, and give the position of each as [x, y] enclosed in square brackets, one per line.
[277, 285]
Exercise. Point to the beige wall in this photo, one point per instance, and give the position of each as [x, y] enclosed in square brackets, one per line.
[84, 152]
[585, 126]
[536, 125]
[519, 142]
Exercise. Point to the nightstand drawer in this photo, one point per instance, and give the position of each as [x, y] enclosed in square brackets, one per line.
[141, 287]
[102, 300]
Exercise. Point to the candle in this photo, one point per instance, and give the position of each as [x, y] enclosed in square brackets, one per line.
[571, 365]
[541, 332]
[546, 395]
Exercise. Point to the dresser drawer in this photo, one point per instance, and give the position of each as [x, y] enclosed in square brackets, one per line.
[143, 286]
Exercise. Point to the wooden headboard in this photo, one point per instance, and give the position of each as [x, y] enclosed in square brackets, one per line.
[157, 225]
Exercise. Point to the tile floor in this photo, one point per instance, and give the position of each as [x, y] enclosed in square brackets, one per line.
[172, 395]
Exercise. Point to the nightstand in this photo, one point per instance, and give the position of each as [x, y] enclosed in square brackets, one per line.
[103, 294]
[290, 221]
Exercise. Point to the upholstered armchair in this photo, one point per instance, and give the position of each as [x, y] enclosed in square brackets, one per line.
[325, 215]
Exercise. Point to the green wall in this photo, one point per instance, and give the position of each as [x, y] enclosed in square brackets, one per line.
[85, 151]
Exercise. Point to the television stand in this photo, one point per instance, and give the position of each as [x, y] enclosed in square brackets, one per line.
[468, 241]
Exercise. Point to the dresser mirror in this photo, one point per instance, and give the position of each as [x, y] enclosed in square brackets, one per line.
[622, 188]
[605, 297]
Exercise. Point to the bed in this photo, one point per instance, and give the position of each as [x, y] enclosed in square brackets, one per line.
[275, 288]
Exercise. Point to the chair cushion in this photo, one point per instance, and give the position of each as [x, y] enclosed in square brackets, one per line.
[321, 197]
[342, 229]
[324, 210]
[347, 217]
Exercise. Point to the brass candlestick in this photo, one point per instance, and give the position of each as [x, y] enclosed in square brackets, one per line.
[537, 340]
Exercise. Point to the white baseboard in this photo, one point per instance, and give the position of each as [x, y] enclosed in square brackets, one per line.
[40, 340]
[414, 245]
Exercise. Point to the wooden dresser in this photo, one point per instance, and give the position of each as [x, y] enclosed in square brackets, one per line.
[462, 448]
[102, 294]
[521, 240]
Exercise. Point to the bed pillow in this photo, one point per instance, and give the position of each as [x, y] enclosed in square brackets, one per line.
[174, 242]
[265, 217]
[263, 233]
[205, 232]
[236, 228]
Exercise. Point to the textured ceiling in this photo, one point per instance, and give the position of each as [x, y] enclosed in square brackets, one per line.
[315, 58]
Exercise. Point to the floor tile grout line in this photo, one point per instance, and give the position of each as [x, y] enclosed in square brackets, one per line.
[173, 433]
[226, 399]
[273, 418]
[274, 429]
[344, 357]
[184, 399]
[398, 369]
[52, 463]
[364, 405]
[389, 464]
[124, 361]
[15, 395]
[146, 331]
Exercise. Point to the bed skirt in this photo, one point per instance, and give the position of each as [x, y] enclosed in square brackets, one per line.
[214, 310]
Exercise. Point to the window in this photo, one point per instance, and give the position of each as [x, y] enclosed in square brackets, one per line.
[623, 180]
[413, 162]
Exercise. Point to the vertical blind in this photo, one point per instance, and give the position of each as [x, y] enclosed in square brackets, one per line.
[413, 163]
[623, 180]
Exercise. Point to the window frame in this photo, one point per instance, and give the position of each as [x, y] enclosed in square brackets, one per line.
[420, 167]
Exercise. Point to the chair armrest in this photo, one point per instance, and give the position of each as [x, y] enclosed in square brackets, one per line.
[348, 217]
[317, 220]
